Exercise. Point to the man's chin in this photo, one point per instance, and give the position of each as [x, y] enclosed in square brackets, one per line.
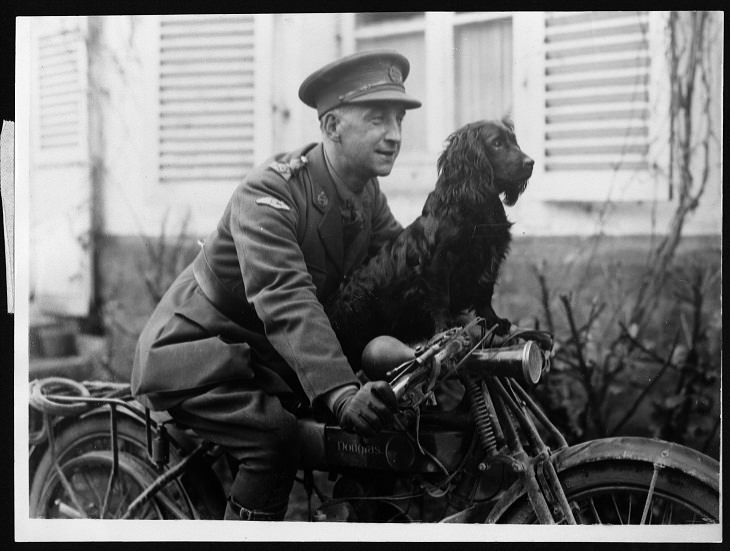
[384, 169]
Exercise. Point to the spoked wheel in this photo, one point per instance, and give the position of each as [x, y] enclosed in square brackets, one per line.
[629, 492]
[88, 486]
[84, 450]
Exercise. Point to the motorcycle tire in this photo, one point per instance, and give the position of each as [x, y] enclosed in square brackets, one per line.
[195, 492]
[616, 491]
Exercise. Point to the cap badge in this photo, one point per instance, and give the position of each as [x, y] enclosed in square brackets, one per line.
[395, 74]
[322, 199]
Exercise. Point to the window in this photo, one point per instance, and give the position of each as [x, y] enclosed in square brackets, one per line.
[587, 92]
[483, 70]
[206, 98]
[408, 39]
[369, 18]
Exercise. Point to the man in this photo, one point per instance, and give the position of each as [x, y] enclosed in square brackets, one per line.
[241, 340]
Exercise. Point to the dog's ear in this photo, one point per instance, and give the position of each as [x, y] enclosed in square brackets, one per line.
[464, 161]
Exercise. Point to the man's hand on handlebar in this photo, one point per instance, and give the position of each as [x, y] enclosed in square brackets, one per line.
[366, 410]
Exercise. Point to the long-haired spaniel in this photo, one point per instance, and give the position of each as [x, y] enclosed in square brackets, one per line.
[447, 261]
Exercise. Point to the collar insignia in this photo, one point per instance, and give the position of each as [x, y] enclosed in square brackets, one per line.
[322, 199]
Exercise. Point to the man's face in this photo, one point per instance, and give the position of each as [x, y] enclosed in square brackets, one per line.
[370, 138]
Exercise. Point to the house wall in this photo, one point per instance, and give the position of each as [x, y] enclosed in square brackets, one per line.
[136, 203]
[122, 159]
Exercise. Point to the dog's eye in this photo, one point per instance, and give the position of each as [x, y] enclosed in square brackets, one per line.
[498, 142]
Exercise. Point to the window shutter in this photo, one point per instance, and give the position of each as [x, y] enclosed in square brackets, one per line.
[206, 98]
[60, 181]
[61, 104]
[597, 78]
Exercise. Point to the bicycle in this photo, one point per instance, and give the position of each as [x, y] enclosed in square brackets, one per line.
[97, 453]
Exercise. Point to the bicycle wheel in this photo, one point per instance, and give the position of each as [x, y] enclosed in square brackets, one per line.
[91, 434]
[87, 489]
[629, 492]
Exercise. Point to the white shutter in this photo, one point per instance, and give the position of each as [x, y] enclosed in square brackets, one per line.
[590, 92]
[206, 98]
[61, 103]
[596, 91]
[60, 181]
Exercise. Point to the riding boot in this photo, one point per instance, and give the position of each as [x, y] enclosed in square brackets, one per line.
[257, 495]
[235, 511]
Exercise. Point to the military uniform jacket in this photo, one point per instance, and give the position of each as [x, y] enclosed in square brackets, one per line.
[250, 305]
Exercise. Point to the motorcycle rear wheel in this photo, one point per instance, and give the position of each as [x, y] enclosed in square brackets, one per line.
[621, 492]
[90, 491]
[90, 435]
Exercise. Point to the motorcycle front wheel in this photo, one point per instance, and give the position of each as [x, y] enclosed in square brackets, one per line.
[628, 492]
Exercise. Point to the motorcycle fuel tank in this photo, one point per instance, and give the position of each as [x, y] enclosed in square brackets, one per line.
[394, 450]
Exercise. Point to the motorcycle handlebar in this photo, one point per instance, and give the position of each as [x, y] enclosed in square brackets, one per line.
[525, 362]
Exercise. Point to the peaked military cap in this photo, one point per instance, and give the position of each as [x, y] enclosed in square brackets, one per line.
[375, 75]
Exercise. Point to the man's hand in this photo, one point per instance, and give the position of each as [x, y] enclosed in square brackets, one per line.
[366, 410]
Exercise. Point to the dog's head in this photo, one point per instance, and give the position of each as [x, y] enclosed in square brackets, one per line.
[487, 151]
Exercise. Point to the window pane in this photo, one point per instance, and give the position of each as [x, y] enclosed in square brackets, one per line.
[411, 46]
[483, 70]
[367, 18]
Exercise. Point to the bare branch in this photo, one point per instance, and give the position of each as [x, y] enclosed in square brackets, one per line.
[544, 297]
[643, 394]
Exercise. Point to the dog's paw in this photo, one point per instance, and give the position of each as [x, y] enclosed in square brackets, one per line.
[503, 326]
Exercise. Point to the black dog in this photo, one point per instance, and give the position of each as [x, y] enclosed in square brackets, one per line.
[447, 261]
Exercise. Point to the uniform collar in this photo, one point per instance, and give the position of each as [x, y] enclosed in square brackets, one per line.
[325, 200]
[323, 187]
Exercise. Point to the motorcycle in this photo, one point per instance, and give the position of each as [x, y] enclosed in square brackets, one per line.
[469, 445]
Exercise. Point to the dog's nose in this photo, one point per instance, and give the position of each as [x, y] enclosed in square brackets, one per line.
[528, 163]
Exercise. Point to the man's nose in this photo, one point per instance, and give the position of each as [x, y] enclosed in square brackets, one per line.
[393, 130]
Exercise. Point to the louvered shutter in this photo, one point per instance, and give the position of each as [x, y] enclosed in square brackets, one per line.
[206, 98]
[61, 103]
[60, 181]
[596, 91]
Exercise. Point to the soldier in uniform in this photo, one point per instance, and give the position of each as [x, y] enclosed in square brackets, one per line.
[240, 340]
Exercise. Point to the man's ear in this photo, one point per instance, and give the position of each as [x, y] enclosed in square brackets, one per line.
[331, 126]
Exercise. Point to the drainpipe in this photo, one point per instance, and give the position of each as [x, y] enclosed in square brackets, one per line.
[94, 324]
